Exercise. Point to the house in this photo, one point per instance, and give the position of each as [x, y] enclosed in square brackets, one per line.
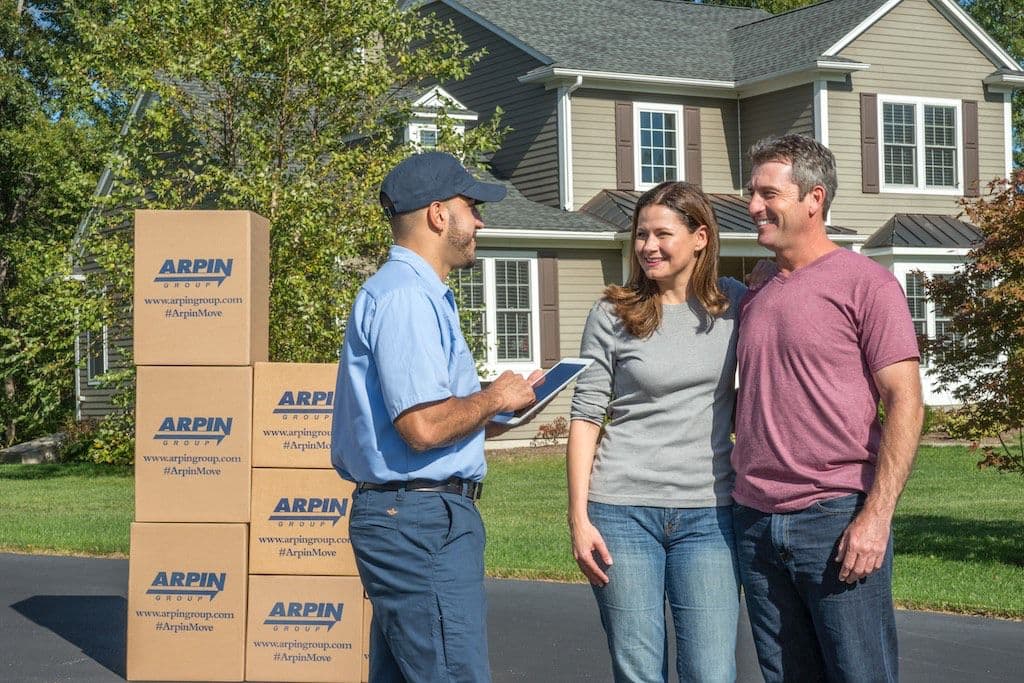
[608, 97]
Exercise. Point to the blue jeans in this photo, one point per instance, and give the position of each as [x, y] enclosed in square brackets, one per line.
[687, 555]
[808, 625]
[421, 560]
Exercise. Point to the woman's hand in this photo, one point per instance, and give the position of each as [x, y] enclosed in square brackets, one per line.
[763, 271]
[590, 552]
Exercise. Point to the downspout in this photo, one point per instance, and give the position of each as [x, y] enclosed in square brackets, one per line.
[565, 197]
[739, 143]
[821, 132]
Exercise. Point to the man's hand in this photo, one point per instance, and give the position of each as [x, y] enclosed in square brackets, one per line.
[496, 429]
[588, 547]
[512, 391]
[862, 546]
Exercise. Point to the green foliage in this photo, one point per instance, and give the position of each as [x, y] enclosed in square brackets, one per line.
[79, 435]
[982, 360]
[50, 143]
[773, 6]
[114, 442]
[293, 109]
[1004, 21]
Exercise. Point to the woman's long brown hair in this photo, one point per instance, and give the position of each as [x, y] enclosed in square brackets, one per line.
[637, 303]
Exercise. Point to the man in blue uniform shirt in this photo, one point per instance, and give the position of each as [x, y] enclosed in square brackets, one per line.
[409, 422]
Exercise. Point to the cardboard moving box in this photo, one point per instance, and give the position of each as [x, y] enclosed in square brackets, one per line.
[292, 409]
[300, 523]
[305, 628]
[187, 602]
[193, 444]
[202, 288]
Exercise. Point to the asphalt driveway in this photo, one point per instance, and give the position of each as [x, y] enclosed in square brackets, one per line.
[63, 619]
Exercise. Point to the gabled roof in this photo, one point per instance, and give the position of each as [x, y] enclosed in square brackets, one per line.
[652, 37]
[928, 231]
[616, 208]
[683, 40]
[795, 39]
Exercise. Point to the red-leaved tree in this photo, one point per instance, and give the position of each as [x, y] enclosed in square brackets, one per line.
[982, 361]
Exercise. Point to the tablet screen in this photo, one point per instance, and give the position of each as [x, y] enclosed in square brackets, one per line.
[555, 380]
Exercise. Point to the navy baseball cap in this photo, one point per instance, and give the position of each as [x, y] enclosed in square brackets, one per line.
[432, 177]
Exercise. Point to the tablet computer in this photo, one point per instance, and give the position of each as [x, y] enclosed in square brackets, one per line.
[555, 379]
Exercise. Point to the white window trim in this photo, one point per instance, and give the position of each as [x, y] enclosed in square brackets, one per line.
[91, 379]
[412, 132]
[928, 270]
[919, 158]
[492, 367]
[676, 109]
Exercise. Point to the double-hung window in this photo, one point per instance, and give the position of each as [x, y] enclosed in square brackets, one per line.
[930, 321]
[500, 309]
[657, 130]
[922, 150]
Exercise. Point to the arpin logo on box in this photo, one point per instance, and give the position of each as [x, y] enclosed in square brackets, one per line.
[194, 429]
[187, 584]
[295, 403]
[194, 272]
[296, 614]
[310, 510]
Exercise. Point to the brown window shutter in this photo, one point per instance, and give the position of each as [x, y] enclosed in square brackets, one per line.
[691, 134]
[624, 145]
[869, 143]
[550, 337]
[972, 162]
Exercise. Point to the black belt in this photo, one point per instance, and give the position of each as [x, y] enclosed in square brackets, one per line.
[463, 487]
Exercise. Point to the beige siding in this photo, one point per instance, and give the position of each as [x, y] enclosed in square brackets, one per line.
[529, 153]
[593, 140]
[582, 277]
[914, 51]
[776, 113]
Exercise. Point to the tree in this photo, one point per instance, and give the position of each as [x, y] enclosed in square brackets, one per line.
[1004, 21]
[982, 360]
[293, 109]
[49, 161]
[773, 6]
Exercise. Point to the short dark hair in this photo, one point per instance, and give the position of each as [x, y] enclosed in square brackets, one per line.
[813, 163]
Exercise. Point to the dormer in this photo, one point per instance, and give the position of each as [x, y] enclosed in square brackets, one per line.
[422, 129]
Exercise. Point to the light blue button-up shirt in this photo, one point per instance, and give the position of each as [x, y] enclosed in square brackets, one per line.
[403, 347]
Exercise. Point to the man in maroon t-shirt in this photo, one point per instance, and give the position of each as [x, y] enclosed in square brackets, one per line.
[817, 476]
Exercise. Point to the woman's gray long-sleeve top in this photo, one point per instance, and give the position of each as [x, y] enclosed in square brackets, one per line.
[669, 400]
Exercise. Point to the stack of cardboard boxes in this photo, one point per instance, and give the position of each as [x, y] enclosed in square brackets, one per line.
[240, 564]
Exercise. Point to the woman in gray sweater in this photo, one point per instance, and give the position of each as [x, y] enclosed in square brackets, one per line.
[649, 501]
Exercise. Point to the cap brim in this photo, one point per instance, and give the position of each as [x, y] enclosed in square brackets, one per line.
[485, 192]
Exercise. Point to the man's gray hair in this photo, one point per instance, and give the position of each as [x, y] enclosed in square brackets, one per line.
[813, 163]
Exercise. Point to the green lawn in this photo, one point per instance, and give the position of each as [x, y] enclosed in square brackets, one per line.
[959, 531]
[74, 509]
